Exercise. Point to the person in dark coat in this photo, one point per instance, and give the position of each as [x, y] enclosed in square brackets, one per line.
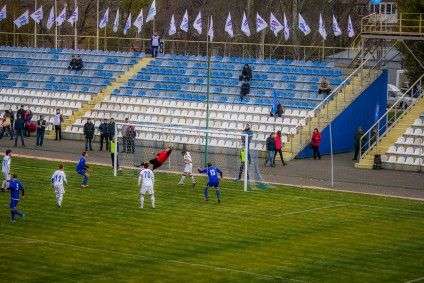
[246, 73]
[315, 143]
[111, 128]
[357, 143]
[89, 134]
[244, 90]
[41, 129]
[270, 148]
[104, 134]
[19, 130]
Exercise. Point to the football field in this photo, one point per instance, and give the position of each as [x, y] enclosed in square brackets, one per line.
[275, 235]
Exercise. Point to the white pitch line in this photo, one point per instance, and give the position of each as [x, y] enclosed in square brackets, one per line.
[254, 274]
[310, 210]
[415, 280]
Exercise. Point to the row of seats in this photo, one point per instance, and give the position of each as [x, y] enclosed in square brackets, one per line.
[27, 93]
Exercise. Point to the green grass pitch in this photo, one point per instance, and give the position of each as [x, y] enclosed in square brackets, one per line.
[277, 235]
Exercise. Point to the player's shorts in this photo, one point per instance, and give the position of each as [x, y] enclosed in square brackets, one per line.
[188, 168]
[59, 188]
[147, 190]
[14, 203]
[213, 185]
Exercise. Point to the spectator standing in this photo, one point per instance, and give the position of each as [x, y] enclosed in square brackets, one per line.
[124, 136]
[270, 148]
[19, 130]
[244, 90]
[155, 42]
[113, 150]
[20, 112]
[324, 86]
[7, 125]
[111, 129]
[278, 147]
[247, 131]
[41, 129]
[246, 73]
[315, 143]
[357, 143]
[28, 125]
[57, 122]
[89, 134]
[104, 135]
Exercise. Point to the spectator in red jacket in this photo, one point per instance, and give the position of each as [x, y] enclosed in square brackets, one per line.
[161, 158]
[278, 147]
[315, 143]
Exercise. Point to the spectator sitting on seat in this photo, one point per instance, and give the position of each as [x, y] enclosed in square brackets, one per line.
[324, 86]
[244, 90]
[73, 63]
[246, 73]
[155, 42]
[79, 64]
[277, 110]
[357, 143]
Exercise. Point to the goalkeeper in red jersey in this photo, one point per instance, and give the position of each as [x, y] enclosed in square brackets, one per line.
[161, 158]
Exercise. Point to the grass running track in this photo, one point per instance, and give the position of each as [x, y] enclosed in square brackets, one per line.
[283, 234]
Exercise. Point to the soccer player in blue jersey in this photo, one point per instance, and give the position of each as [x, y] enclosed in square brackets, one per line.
[213, 180]
[82, 169]
[16, 188]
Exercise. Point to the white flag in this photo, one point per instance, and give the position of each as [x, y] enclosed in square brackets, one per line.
[62, 17]
[350, 30]
[261, 24]
[286, 28]
[275, 25]
[22, 19]
[336, 29]
[210, 31]
[303, 26]
[116, 21]
[37, 16]
[321, 28]
[138, 23]
[245, 25]
[104, 20]
[184, 22]
[51, 19]
[198, 23]
[73, 19]
[229, 25]
[3, 13]
[152, 12]
[172, 26]
[127, 24]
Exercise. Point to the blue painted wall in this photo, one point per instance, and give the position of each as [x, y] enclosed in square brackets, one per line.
[363, 112]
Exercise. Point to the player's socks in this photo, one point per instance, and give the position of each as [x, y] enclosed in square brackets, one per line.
[141, 201]
[205, 193]
[218, 195]
[152, 198]
[182, 180]
[12, 215]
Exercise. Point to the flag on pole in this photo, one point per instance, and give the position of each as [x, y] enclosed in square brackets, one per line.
[336, 29]
[184, 22]
[350, 30]
[152, 12]
[104, 20]
[22, 19]
[229, 25]
[3, 13]
[62, 17]
[210, 31]
[286, 29]
[37, 16]
[321, 28]
[73, 19]
[116, 22]
[198, 23]
[127, 24]
[138, 23]
[51, 19]
[172, 26]
[275, 25]
[245, 25]
[303, 26]
[261, 24]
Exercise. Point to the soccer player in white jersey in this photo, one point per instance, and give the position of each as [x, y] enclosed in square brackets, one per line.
[5, 168]
[188, 169]
[146, 182]
[58, 182]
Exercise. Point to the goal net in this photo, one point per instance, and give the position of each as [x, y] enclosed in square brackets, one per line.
[139, 143]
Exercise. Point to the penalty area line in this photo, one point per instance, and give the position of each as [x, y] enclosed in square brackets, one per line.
[158, 259]
[415, 280]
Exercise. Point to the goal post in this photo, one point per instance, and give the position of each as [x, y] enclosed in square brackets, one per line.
[137, 143]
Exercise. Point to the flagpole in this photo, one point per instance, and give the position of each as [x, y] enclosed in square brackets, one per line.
[97, 26]
[55, 24]
[35, 26]
[207, 93]
[75, 27]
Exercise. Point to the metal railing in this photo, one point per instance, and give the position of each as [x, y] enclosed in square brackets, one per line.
[388, 120]
[175, 46]
[406, 24]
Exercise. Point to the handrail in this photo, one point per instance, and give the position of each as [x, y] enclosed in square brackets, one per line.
[404, 24]
[385, 123]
